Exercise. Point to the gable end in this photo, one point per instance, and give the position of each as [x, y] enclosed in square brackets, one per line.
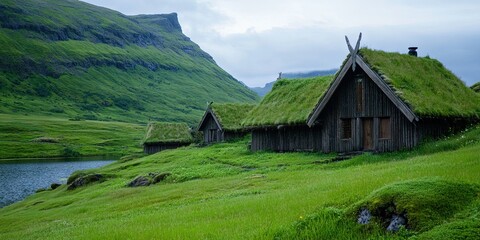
[210, 112]
[376, 79]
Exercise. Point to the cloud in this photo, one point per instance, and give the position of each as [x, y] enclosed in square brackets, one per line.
[255, 39]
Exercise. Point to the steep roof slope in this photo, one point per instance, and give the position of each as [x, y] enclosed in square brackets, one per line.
[231, 115]
[290, 102]
[228, 115]
[161, 132]
[424, 84]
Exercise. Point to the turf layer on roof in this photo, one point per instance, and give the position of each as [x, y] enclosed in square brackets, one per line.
[230, 115]
[160, 132]
[290, 102]
[424, 84]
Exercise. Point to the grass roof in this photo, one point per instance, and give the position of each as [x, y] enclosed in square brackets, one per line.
[424, 84]
[230, 115]
[161, 132]
[290, 102]
[476, 87]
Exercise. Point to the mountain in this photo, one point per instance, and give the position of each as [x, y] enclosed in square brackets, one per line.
[262, 91]
[77, 60]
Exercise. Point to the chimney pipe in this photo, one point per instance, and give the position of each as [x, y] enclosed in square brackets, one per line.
[412, 51]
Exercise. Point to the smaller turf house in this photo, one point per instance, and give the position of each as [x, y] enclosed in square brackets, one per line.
[279, 122]
[222, 122]
[378, 101]
[161, 136]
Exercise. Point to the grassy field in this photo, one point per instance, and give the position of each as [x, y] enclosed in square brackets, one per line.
[37, 137]
[225, 192]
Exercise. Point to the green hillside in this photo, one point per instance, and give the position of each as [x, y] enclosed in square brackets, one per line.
[76, 60]
[46, 137]
[226, 192]
[476, 87]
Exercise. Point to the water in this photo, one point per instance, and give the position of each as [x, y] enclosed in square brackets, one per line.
[20, 179]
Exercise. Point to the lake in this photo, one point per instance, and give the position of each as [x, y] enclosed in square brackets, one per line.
[18, 179]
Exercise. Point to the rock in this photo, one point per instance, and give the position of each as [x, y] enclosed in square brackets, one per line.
[160, 177]
[396, 222]
[139, 181]
[55, 185]
[84, 180]
[364, 216]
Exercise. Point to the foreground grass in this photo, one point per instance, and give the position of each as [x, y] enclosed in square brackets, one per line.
[225, 192]
[36, 137]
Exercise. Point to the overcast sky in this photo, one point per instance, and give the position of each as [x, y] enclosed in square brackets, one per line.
[255, 39]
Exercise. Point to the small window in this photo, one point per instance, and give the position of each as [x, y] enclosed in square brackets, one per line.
[359, 95]
[385, 131]
[346, 128]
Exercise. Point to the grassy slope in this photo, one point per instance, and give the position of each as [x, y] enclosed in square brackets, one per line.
[56, 61]
[225, 192]
[19, 137]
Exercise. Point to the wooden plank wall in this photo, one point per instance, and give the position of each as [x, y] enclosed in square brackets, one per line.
[209, 125]
[287, 139]
[157, 147]
[343, 105]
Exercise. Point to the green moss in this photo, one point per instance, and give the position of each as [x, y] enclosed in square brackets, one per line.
[161, 132]
[425, 202]
[231, 115]
[289, 102]
[425, 84]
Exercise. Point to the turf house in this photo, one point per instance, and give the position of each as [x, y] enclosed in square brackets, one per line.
[221, 122]
[161, 136]
[279, 122]
[377, 101]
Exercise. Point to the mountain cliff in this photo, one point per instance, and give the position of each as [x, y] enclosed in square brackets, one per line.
[77, 60]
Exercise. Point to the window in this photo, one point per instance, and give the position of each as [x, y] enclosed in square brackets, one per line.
[385, 131]
[359, 94]
[346, 125]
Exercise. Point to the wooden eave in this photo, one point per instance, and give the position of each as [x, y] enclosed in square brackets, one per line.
[209, 111]
[409, 114]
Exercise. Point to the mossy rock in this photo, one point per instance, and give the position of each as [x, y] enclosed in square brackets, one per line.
[54, 186]
[140, 181]
[160, 177]
[425, 202]
[85, 180]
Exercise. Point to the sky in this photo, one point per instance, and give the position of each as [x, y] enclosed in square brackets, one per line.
[254, 40]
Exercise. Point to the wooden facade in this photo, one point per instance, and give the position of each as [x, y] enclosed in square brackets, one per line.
[151, 148]
[166, 135]
[286, 139]
[372, 121]
[213, 131]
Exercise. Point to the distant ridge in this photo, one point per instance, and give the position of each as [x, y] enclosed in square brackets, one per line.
[75, 60]
[262, 91]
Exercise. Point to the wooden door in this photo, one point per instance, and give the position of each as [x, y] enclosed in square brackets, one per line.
[367, 134]
[212, 135]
